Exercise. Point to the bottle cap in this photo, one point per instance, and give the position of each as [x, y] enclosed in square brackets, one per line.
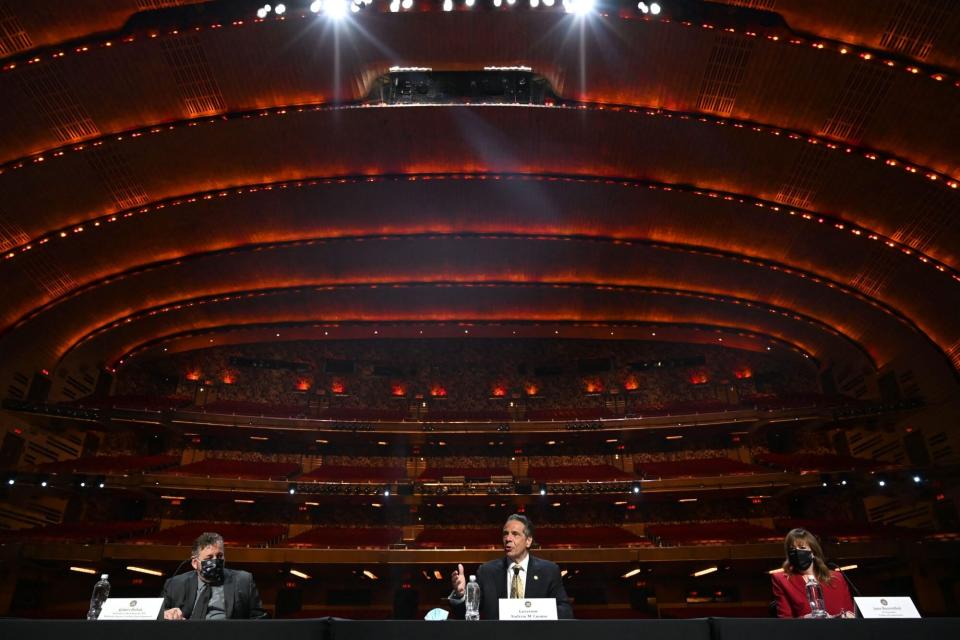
[104, 576]
[473, 578]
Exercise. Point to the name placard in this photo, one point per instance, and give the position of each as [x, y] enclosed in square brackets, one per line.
[131, 609]
[528, 608]
[887, 607]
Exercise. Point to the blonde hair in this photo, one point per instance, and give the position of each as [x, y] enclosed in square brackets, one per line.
[820, 569]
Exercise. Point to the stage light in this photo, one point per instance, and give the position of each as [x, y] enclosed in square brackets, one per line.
[631, 573]
[261, 13]
[469, 3]
[655, 8]
[299, 574]
[407, 4]
[92, 572]
[149, 572]
[644, 9]
[369, 574]
[11, 481]
[579, 7]
[703, 572]
[354, 8]
[335, 9]
[292, 489]
[917, 479]
[448, 5]
[280, 9]
[543, 491]
[534, 4]
[395, 6]
[636, 489]
[882, 483]
[43, 483]
[315, 6]
[497, 3]
[386, 493]
[511, 2]
[548, 3]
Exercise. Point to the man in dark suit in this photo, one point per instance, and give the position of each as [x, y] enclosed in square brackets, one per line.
[517, 575]
[210, 591]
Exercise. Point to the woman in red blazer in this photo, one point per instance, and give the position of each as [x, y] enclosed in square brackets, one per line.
[805, 564]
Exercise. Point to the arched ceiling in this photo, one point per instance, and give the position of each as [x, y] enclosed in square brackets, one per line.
[193, 174]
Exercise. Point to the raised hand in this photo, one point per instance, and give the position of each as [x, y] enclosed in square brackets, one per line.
[459, 580]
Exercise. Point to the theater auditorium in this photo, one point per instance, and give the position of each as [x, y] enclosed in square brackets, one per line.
[349, 282]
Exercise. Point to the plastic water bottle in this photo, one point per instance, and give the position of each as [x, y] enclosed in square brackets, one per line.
[473, 599]
[815, 598]
[101, 591]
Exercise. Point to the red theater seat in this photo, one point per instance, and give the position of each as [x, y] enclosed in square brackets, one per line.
[819, 462]
[697, 533]
[80, 532]
[583, 413]
[459, 538]
[701, 468]
[335, 473]
[248, 470]
[243, 535]
[584, 473]
[587, 537]
[346, 538]
[361, 414]
[109, 464]
[469, 473]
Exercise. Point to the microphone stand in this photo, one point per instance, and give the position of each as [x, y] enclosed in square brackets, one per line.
[833, 566]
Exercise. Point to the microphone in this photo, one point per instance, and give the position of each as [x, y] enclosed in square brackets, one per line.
[180, 566]
[833, 566]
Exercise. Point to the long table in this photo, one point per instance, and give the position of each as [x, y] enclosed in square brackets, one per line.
[337, 629]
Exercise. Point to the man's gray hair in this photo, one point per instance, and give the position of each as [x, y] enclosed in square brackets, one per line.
[525, 521]
[205, 540]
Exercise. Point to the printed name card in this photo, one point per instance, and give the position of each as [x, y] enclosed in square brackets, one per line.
[528, 608]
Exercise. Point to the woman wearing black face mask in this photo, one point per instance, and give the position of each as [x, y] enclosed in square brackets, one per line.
[806, 587]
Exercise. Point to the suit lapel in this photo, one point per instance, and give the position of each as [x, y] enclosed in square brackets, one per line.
[190, 598]
[502, 578]
[532, 588]
[229, 590]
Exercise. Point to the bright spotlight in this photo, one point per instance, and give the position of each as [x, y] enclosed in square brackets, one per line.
[655, 8]
[386, 493]
[280, 9]
[354, 8]
[882, 483]
[511, 2]
[335, 9]
[534, 4]
[644, 9]
[448, 5]
[407, 4]
[315, 6]
[548, 3]
[579, 7]
[916, 479]
[497, 3]
[261, 13]
[395, 6]
[470, 3]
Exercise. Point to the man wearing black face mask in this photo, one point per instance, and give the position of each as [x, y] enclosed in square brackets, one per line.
[210, 591]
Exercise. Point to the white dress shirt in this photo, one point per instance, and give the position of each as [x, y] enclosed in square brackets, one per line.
[523, 574]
